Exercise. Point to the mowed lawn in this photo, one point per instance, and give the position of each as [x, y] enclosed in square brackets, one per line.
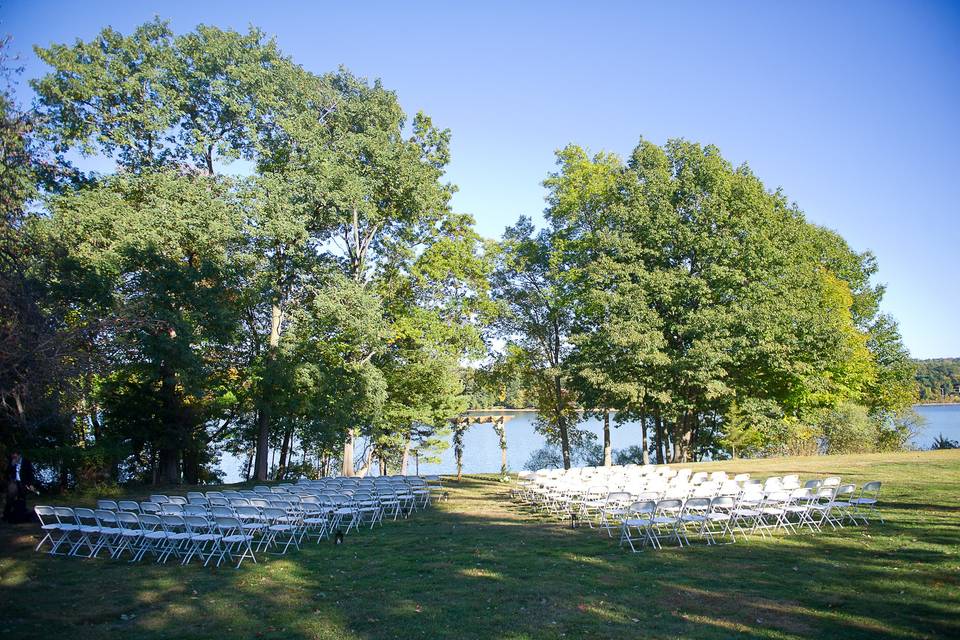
[477, 566]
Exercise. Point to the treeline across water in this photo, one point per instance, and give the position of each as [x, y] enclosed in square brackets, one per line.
[938, 380]
[167, 310]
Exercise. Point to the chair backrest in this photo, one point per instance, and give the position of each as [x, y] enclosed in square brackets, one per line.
[872, 487]
[251, 512]
[128, 505]
[618, 498]
[218, 511]
[669, 506]
[217, 501]
[106, 517]
[777, 497]
[194, 510]
[722, 503]
[196, 524]
[273, 513]
[150, 522]
[845, 491]
[228, 525]
[813, 484]
[127, 520]
[65, 515]
[178, 500]
[86, 516]
[171, 508]
[150, 507]
[832, 481]
[44, 511]
[697, 504]
[110, 505]
[643, 507]
[194, 494]
[172, 523]
[159, 499]
[257, 502]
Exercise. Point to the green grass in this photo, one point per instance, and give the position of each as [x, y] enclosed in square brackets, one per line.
[477, 566]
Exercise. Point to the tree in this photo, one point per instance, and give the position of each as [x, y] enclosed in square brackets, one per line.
[536, 320]
[615, 337]
[157, 249]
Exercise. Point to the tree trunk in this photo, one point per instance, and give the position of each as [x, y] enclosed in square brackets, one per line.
[644, 442]
[561, 421]
[607, 449]
[169, 463]
[263, 416]
[285, 453]
[368, 462]
[248, 467]
[191, 466]
[499, 425]
[346, 469]
[459, 429]
[405, 457]
[658, 438]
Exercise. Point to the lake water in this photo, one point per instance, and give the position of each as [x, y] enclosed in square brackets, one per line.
[482, 446]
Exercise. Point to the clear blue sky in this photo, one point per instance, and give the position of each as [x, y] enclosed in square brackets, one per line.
[853, 108]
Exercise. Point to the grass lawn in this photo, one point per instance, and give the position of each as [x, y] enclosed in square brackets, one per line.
[476, 566]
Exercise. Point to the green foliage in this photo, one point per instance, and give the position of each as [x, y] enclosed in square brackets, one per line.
[331, 294]
[692, 293]
[938, 380]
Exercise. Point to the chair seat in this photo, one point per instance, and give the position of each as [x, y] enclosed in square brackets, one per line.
[718, 516]
[237, 538]
[864, 501]
[636, 522]
[664, 520]
[205, 537]
[693, 517]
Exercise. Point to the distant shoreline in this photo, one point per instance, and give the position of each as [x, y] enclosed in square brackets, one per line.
[937, 404]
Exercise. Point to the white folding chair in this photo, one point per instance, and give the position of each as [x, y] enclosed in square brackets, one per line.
[234, 540]
[866, 503]
[666, 522]
[639, 519]
[53, 531]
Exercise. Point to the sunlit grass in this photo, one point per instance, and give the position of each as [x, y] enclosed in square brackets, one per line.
[478, 566]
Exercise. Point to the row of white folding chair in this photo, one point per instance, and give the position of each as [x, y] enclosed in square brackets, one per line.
[80, 529]
[588, 504]
[653, 522]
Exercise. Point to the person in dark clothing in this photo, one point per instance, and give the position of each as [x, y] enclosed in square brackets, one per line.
[20, 479]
